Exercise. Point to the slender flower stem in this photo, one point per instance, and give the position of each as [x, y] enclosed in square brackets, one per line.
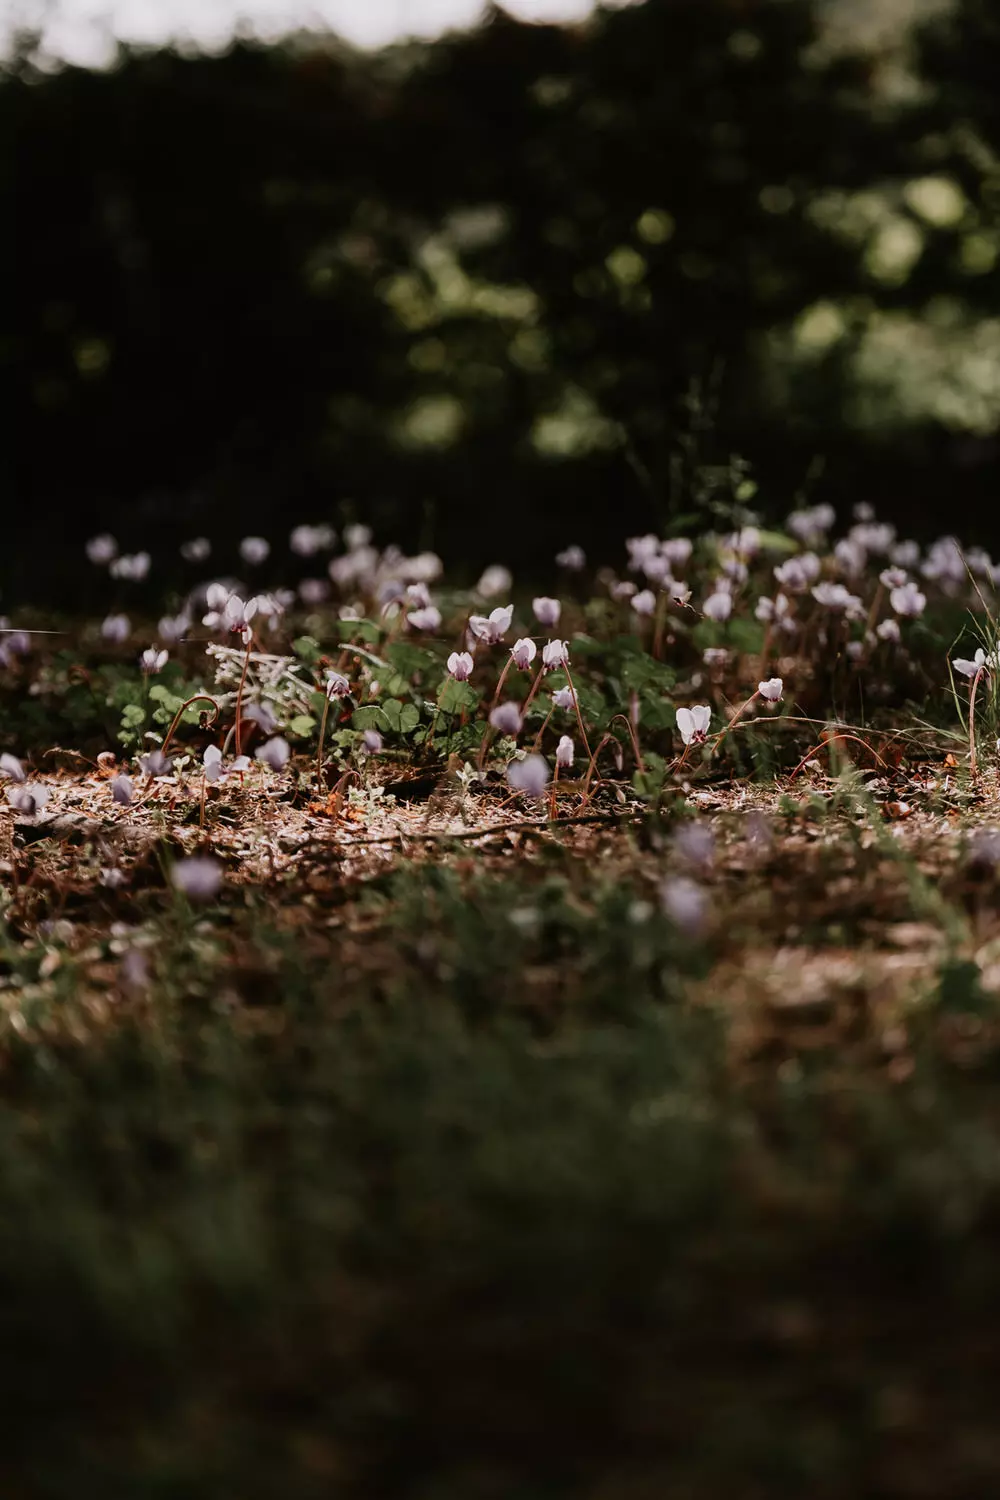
[721, 735]
[239, 691]
[534, 689]
[659, 623]
[319, 748]
[973, 762]
[576, 705]
[503, 678]
[545, 725]
[195, 698]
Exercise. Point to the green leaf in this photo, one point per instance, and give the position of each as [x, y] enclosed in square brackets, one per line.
[359, 630]
[411, 660]
[307, 649]
[302, 725]
[370, 716]
[132, 714]
[453, 696]
[409, 718]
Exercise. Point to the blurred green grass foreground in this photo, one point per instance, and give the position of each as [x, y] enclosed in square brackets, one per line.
[462, 1184]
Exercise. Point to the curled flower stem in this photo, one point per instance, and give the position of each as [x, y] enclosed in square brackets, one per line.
[195, 698]
[607, 739]
[829, 739]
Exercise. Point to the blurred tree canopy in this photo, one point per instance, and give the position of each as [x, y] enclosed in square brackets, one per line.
[520, 287]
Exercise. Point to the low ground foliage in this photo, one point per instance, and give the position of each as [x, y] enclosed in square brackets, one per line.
[440, 1062]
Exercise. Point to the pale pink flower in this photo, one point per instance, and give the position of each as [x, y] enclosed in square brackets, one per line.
[530, 775]
[523, 653]
[492, 627]
[547, 611]
[460, 665]
[573, 558]
[337, 685]
[506, 718]
[254, 550]
[555, 654]
[102, 549]
[426, 618]
[274, 753]
[693, 723]
[495, 580]
[564, 752]
[771, 690]
[718, 606]
[644, 603]
[116, 628]
[907, 600]
[198, 878]
[153, 661]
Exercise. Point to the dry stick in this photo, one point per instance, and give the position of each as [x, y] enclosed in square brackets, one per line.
[543, 824]
[829, 740]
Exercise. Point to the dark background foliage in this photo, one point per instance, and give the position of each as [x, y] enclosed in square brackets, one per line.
[520, 287]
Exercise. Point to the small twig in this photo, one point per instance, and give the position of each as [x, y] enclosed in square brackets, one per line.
[474, 833]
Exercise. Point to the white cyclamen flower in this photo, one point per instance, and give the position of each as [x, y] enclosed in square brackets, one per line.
[152, 660]
[555, 654]
[506, 718]
[684, 902]
[718, 606]
[102, 549]
[547, 611]
[198, 878]
[10, 766]
[644, 603]
[116, 628]
[337, 685]
[274, 753]
[495, 580]
[564, 752]
[426, 618]
[523, 653]
[693, 723]
[771, 690]
[907, 600]
[530, 775]
[573, 558]
[492, 627]
[197, 550]
[460, 665]
[980, 663]
[254, 549]
[121, 790]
